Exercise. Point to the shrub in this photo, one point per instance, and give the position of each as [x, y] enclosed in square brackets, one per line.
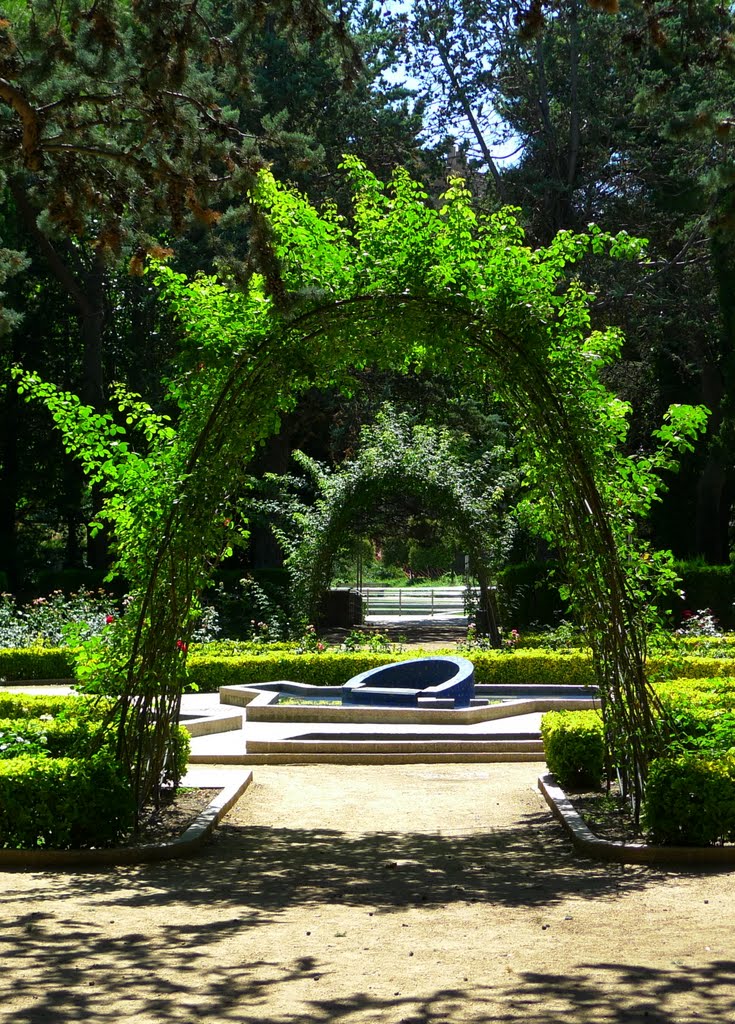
[709, 586]
[701, 713]
[574, 745]
[181, 750]
[57, 620]
[17, 743]
[32, 705]
[63, 803]
[31, 663]
[676, 666]
[690, 800]
[528, 667]
[335, 668]
[209, 673]
[72, 737]
[230, 662]
[527, 596]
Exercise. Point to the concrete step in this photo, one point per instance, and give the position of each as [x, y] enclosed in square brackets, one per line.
[403, 735]
[393, 745]
[364, 757]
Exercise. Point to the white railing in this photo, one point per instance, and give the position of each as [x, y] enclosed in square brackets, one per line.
[426, 601]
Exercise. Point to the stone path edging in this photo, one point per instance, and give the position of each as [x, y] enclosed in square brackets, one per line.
[188, 842]
[588, 843]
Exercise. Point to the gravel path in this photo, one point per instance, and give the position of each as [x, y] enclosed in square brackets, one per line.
[419, 893]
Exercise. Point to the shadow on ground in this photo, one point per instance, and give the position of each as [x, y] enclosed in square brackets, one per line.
[529, 864]
[168, 977]
[249, 876]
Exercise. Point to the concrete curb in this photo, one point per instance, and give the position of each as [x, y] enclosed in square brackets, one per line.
[187, 843]
[626, 853]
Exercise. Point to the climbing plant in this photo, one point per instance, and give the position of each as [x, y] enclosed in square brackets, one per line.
[404, 285]
[395, 462]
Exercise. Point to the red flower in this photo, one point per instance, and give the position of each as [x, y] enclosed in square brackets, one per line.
[109, 619]
[182, 646]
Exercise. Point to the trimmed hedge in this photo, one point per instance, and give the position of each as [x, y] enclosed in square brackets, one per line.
[690, 800]
[717, 646]
[533, 667]
[63, 803]
[33, 705]
[31, 663]
[70, 737]
[520, 667]
[52, 794]
[207, 673]
[574, 745]
[689, 666]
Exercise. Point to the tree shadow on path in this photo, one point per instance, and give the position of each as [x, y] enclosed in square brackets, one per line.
[271, 869]
[195, 957]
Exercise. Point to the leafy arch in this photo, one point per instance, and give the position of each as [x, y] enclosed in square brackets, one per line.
[396, 461]
[403, 285]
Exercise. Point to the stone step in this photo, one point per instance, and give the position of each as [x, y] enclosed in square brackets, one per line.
[393, 745]
[364, 757]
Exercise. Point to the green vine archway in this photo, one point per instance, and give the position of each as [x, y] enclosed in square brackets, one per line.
[402, 285]
[398, 462]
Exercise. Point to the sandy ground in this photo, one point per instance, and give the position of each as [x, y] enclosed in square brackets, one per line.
[413, 894]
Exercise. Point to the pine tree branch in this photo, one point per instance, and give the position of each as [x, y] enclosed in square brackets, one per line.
[32, 155]
[59, 267]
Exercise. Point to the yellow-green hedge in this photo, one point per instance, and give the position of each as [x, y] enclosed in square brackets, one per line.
[574, 745]
[26, 664]
[521, 667]
[334, 669]
[63, 803]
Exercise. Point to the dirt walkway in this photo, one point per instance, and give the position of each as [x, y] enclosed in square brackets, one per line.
[350, 894]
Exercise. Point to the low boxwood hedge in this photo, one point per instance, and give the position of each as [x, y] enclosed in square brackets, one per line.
[207, 673]
[574, 746]
[701, 712]
[522, 667]
[72, 737]
[689, 666]
[63, 803]
[690, 799]
[53, 793]
[31, 663]
[34, 705]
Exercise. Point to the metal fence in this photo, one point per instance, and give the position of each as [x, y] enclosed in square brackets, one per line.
[416, 601]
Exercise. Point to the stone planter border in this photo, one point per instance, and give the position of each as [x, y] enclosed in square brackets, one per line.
[588, 843]
[190, 840]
